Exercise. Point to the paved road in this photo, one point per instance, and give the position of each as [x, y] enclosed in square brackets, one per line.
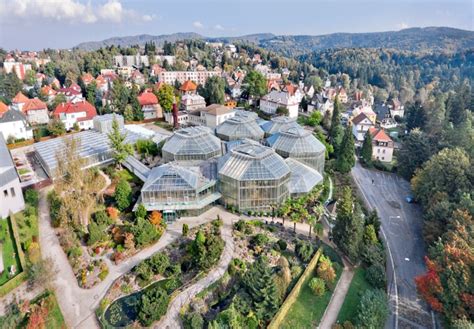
[402, 230]
[172, 318]
[77, 304]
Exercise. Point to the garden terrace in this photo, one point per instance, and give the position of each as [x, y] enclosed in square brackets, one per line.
[242, 125]
[299, 144]
[253, 177]
[191, 144]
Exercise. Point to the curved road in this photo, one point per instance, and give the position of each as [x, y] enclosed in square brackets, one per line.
[402, 232]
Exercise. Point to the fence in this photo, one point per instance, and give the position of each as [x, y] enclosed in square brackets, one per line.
[293, 295]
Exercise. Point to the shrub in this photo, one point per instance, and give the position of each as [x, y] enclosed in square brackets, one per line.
[153, 305]
[325, 270]
[112, 212]
[141, 211]
[236, 265]
[317, 286]
[123, 195]
[193, 320]
[103, 274]
[260, 239]
[97, 233]
[185, 229]
[143, 270]
[32, 197]
[375, 275]
[296, 271]
[281, 245]
[159, 262]
[373, 309]
[373, 254]
[304, 250]
[155, 218]
[173, 270]
[144, 232]
[240, 225]
[101, 218]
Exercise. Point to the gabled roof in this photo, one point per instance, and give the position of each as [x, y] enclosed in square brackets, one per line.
[379, 135]
[77, 107]
[34, 104]
[188, 85]
[3, 108]
[12, 116]
[87, 78]
[20, 98]
[147, 98]
[358, 119]
[217, 109]
[47, 90]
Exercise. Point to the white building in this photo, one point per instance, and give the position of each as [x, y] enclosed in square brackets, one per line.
[81, 112]
[13, 124]
[289, 99]
[36, 111]
[360, 125]
[200, 77]
[211, 116]
[11, 196]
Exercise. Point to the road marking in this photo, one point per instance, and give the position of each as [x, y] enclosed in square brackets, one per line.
[389, 253]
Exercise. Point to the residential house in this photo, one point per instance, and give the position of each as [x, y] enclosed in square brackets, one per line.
[79, 112]
[363, 107]
[382, 145]
[150, 106]
[18, 68]
[11, 196]
[13, 124]
[19, 101]
[36, 111]
[396, 108]
[102, 83]
[289, 98]
[138, 78]
[73, 92]
[3, 108]
[200, 77]
[48, 92]
[191, 100]
[87, 79]
[360, 125]
[211, 116]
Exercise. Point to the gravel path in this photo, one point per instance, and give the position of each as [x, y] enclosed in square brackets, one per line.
[172, 319]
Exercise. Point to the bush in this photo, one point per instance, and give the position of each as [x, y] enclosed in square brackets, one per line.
[373, 254]
[123, 195]
[103, 274]
[144, 232]
[296, 271]
[193, 320]
[144, 271]
[236, 265]
[141, 211]
[304, 250]
[281, 245]
[97, 233]
[173, 270]
[375, 275]
[325, 270]
[102, 219]
[260, 239]
[373, 309]
[185, 229]
[112, 212]
[32, 197]
[153, 305]
[317, 286]
[159, 262]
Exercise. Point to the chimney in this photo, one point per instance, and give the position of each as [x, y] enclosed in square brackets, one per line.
[175, 116]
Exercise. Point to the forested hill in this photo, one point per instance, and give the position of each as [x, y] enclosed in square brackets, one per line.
[415, 39]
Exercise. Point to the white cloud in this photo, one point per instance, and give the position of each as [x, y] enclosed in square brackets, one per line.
[218, 27]
[402, 25]
[198, 25]
[70, 11]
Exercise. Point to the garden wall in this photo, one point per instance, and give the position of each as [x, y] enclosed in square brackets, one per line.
[293, 295]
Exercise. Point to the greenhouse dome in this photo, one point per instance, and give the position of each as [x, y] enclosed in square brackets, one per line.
[278, 124]
[191, 144]
[300, 144]
[242, 125]
[303, 178]
[253, 177]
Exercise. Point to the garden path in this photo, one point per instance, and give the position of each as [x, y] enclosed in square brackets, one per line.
[172, 318]
[78, 305]
[22, 292]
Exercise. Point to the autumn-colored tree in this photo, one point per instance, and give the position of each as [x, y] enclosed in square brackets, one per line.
[113, 212]
[129, 242]
[429, 286]
[325, 270]
[37, 318]
[155, 218]
[118, 235]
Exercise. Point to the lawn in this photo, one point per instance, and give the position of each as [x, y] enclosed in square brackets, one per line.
[357, 288]
[308, 309]
[9, 251]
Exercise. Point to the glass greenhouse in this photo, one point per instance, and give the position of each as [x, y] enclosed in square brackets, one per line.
[299, 144]
[242, 125]
[193, 143]
[253, 177]
[174, 188]
[278, 124]
[303, 178]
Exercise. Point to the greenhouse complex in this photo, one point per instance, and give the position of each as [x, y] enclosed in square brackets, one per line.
[245, 163]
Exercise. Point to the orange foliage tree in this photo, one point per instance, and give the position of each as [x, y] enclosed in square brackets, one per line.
[155, 218]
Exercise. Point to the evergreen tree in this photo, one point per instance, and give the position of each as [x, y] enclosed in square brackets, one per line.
[120, 149]
[261, 287]
[345, 159]
[366, 151]
[91, 91]
[10, 85]
[349, 228]
[416, 149]
[336, 131]
[458, 105]
[119, 96]
[136, 108]
[123, 194]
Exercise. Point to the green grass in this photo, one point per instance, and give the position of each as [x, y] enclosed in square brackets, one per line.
[55, 319]
[357, 288]
[9, 252]
[308, 309]
[23, 171]
[27, 227]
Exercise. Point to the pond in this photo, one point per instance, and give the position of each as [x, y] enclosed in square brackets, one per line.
[124, 311]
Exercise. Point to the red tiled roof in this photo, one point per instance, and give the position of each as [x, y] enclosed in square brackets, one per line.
[147, 98]
[34, 104]
[3, 108]
[290, 89]
[87, 78]
[379, 135]
[46, 90]
[20, 98]
[81, 106]
[188, 85]
[70, 91]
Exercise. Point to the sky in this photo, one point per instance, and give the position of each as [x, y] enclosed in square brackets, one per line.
[38, 24]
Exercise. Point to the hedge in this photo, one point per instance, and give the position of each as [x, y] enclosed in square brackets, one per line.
[293, 295]
[12, 283]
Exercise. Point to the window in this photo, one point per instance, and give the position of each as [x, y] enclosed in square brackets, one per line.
[12, 191]
[5, 193]
[378, 150]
